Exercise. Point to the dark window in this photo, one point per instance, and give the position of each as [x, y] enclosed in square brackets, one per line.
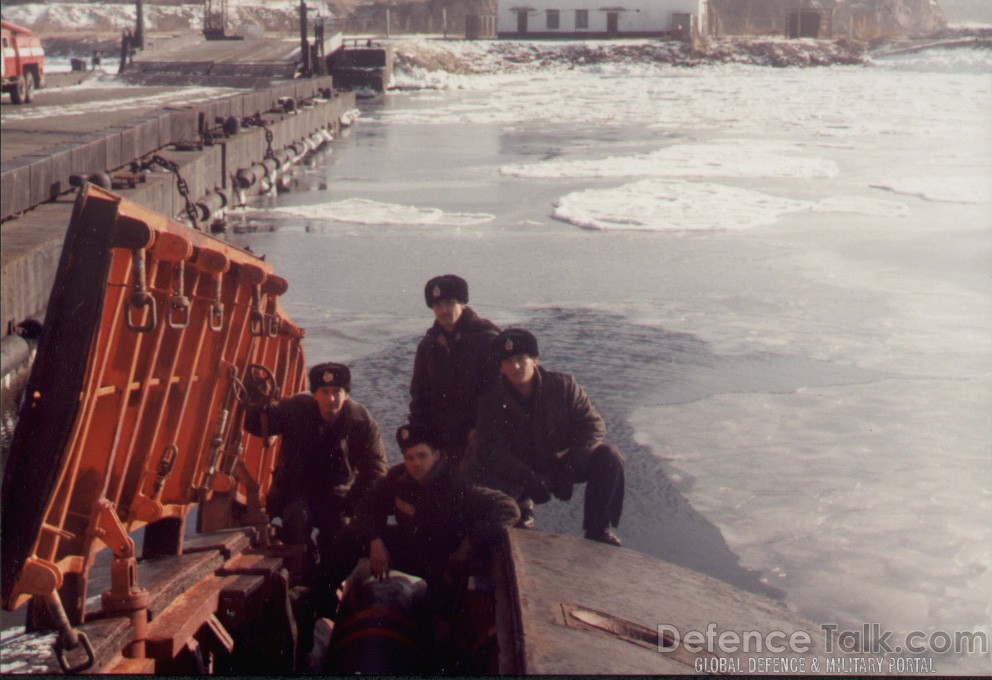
[553, 20]
[581, 18]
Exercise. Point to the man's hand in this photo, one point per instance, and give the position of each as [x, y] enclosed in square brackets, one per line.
[378, 559]
[562, 480]
[457, 561]
[537, 490]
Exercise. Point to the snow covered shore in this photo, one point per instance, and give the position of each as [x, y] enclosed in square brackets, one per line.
[467, 57]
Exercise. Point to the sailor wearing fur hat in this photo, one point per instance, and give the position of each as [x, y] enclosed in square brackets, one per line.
[441, 520]
[331, 453]
[539, 435]
[451, 366]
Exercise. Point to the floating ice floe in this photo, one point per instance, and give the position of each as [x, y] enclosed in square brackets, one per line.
[367, 212]
[673, 205]
[726, 158]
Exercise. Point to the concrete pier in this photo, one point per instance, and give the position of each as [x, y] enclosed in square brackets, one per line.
[222, 142]
[37, 190]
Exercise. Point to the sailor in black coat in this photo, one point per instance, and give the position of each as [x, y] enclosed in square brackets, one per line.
[331, 454]
[539, 435]
[442, 520]
[451, 367]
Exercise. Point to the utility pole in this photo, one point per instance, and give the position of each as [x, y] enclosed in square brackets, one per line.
[139, 30]
[304, 43]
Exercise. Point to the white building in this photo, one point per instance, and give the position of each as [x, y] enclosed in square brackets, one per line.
[543, 19]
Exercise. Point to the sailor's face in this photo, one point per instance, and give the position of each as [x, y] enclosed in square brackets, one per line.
[518, 369]
[419, 460]
[330, 400]
[447, 313]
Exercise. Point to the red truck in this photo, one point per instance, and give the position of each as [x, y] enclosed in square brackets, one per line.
[23, 66]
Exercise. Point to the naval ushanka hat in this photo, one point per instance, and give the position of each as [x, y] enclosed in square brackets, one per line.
[446, 287]
[409, 436]
[330, 375]
[514, 341]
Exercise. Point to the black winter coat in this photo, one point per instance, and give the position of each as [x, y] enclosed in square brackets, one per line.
[434, 517]
[517, 448]
[329, 465]
[449, 374]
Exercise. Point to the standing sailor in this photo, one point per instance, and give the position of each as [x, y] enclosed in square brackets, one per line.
[450, 368]
[539, 435]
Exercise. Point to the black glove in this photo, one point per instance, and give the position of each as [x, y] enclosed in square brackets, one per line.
[458, 561]
[537, 490]
[562, 480]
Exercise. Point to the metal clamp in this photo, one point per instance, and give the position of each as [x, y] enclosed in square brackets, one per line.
[140, 297]
[165, 465]
[217, 307]
[256, 320]
[272, 327]
[178, 302]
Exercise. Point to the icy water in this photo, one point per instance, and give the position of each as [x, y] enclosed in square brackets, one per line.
[776, 285]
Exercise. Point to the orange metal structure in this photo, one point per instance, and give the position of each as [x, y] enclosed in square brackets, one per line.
[133, 413]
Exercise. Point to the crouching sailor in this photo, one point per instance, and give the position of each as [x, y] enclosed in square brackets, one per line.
[442, 520]
[539, 435]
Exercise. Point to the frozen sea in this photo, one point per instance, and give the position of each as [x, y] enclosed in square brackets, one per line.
[776, 284]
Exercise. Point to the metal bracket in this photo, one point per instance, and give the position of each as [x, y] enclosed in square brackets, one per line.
[178, 302]
[140, 297]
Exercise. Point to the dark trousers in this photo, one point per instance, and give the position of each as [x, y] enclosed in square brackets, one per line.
[300, 518]
[604, 480]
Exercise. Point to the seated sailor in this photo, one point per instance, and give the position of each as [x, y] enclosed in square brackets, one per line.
[442, 520]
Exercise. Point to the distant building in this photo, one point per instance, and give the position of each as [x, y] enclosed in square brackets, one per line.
[789, 18]
[859, 19]
[544, 19]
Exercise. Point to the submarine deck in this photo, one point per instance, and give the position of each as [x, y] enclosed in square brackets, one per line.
[586, 608]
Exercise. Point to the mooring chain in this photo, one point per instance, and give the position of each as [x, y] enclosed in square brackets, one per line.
[258, 121]
[181, 185]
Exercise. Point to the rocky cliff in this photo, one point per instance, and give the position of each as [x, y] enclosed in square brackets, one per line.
[887, 19]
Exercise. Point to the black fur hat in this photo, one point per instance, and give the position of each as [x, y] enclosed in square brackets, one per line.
[410, 435]
[330, 374]
[446, 287]
[514, 341]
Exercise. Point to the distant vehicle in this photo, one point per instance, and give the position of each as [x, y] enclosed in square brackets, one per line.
[23, 65]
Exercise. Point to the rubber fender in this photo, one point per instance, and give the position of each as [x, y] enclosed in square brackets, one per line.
[210, 204]
[100, 179]
[244, 177]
